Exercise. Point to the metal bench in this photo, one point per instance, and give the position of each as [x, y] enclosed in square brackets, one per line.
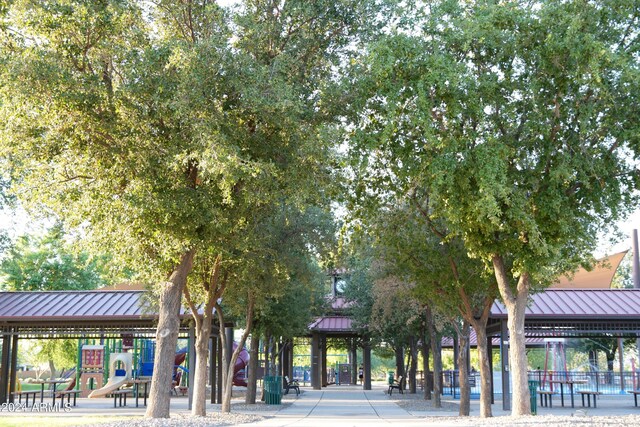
[635, 395]
[69, 393]
[121, 394]
[544, 395]
[26, 394]
[589, 394]
[288, 385]
[399, 385]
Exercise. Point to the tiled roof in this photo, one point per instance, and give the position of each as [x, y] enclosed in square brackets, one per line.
[599, 304]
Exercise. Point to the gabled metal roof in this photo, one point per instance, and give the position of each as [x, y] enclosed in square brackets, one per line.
[332, 324]
[78, 313]
[584, 303]
[73, 305]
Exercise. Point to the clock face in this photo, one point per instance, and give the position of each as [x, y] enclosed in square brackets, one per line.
[341, 285]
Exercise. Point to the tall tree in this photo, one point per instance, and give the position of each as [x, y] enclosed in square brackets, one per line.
[157, 130]
[520, 122]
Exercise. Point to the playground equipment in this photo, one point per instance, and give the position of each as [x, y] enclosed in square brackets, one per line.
[124, 366]
[91, 368]
[120, 368]
[239, 377]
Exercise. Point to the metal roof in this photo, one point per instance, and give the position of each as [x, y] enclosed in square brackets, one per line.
[332, 324]
[72, 305]
[583, 303]
[71, 313]
[576, 313]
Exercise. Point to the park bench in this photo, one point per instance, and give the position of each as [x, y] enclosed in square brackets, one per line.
[399, 384]
[121, 394]
[69, 393]
[589, 394]
[26, 394]
[544, 395]
[635, 395]
[288, 385]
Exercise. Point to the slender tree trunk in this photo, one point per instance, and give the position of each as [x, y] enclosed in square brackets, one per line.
[478, 321]
[399, 352]
[167, 338]
[426, 377]
[52, 369]
[227, 383]
[436, 350]
[203, 334]
[252, 380]
[203, 324]
[485, 369]
[593, 360]
[516, 305]
[465, 391]
[413, 366]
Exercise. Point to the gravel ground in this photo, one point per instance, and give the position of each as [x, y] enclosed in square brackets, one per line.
[213, 418]
[546, 420]
[416, 405]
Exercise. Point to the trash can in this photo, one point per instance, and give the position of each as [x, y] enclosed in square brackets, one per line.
[390, 377]
[533, 391]
[272, 390]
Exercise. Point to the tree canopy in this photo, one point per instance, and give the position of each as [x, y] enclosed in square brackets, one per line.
[519, 123]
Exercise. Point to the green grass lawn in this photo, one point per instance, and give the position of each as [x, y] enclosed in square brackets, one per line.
[57, 421]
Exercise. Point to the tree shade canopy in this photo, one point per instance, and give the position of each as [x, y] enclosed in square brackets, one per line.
[520, 124]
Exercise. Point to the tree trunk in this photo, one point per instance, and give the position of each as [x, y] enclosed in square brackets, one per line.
[203, 334]
[413, 366]
[516, 306]
[436, 350]
[485, 369]
[228, 374]
[252, 380]
[52, 369]
[167, 338]
[399, 352]
[593, 360]
[465, 391]
[427, 381]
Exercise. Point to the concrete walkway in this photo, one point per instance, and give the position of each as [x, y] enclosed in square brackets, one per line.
[350, 406]
[342, 406]
[345, 406]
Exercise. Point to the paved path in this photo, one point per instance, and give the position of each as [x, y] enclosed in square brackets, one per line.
[342, 406]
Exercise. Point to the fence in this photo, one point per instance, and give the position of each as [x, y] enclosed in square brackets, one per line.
[605, 382]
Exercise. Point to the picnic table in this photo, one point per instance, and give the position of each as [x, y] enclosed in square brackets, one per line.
[570, 383]
[54, 384]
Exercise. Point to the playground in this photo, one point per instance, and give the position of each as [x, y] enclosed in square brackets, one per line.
[116, 350]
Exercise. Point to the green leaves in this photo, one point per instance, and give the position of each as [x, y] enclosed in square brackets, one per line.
[48, 264]
[504, 116]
